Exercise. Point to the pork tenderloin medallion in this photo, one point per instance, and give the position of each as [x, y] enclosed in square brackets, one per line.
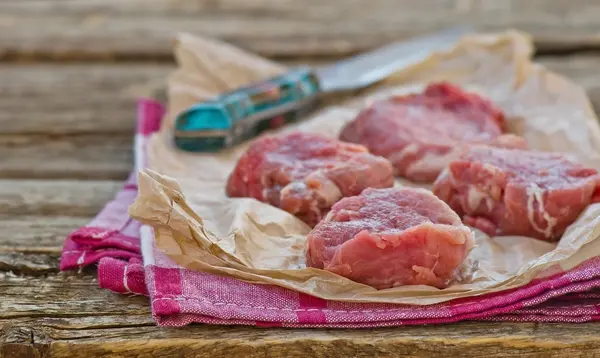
[391, 237]
[517, 192]
[421, 133]
[306, 173]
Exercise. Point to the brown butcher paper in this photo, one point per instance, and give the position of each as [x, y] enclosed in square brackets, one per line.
[182, 195]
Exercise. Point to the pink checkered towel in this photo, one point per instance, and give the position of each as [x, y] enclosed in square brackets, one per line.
[129, 263]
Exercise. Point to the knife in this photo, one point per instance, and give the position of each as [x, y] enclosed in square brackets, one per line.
[233, 117]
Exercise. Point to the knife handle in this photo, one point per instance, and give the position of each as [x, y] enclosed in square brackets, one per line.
[233, 117]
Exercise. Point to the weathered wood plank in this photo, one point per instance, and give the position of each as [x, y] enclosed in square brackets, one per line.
[36, 234]
[73, 157]
[31, 244]
[63, 295]
[31, 264]
[74, 98]
[75, 29]
[334, 344]
[61, 197]
[77, 321]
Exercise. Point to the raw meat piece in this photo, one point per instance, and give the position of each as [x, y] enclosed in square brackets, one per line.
[305, 173]
[517, 192]
[391, 237]
[421, 133]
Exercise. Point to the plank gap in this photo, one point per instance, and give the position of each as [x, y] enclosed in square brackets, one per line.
[9, 57]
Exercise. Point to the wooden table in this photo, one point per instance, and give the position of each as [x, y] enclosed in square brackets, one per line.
[69, 73]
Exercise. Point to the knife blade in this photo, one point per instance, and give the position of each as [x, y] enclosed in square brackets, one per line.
[239, 115]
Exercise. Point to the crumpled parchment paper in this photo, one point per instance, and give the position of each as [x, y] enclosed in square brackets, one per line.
[182, 195]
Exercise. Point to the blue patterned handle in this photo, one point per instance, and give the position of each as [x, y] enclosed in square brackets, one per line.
[246, 112]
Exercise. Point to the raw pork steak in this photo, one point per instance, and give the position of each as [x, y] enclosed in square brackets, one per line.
[421, 133]
[391, 237]
[305, 173]
[517, 192]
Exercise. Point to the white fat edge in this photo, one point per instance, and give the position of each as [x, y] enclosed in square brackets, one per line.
[475, 196]
[446, 181]
[329, 192]
[410, 149]
[444, 174]
[535, 193]
[328, 217]
[490, 167]
[432, 161]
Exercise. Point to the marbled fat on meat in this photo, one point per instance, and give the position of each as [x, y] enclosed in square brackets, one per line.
[517, 192]
[421, 133]
[391, 237]
[305, 173]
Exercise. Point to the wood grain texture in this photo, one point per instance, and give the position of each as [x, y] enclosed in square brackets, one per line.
[77, 321]
[405, 342]
[74, 157]
[61, 99]
[140, 29]
[55, 197]
[36, 234]
[63, 295]
[31, 264]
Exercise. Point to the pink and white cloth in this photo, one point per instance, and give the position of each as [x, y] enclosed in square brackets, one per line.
[128, 263]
